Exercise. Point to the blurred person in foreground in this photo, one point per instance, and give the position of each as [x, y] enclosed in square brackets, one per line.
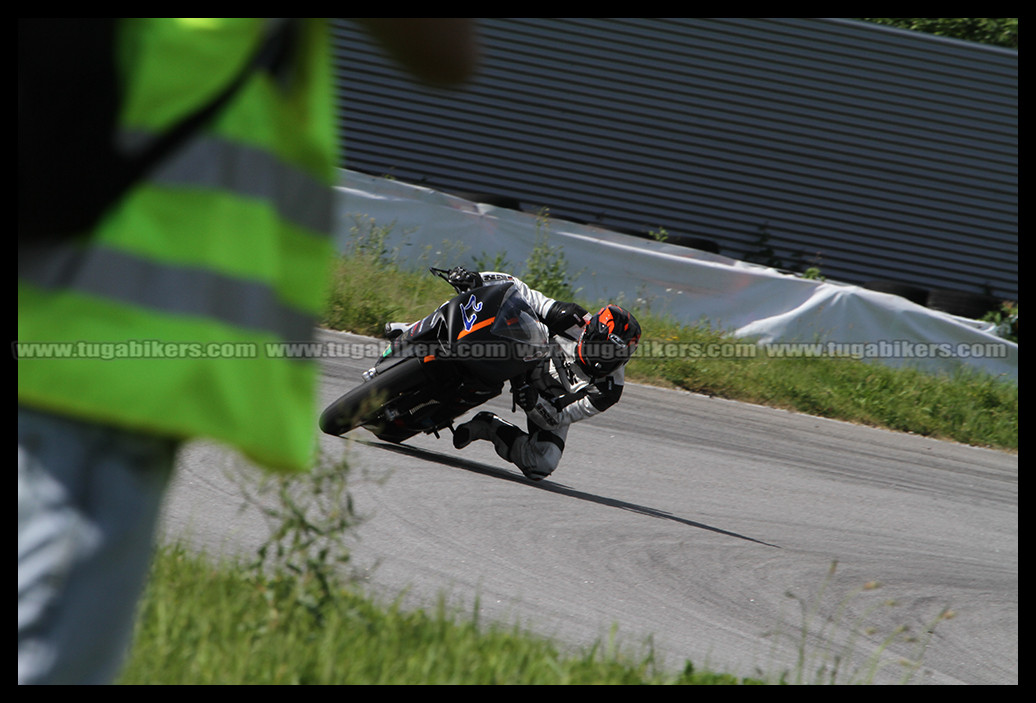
[175, 199]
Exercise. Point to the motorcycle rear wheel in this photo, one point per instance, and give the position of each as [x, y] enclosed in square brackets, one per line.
[362, 405]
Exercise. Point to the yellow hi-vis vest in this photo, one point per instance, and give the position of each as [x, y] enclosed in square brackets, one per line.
[172, 316]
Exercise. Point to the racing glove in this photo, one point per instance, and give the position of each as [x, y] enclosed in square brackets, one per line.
[523, 395]
[564, 318]
[463, 280]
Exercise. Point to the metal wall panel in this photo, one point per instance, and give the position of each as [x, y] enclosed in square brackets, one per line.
[872, 152]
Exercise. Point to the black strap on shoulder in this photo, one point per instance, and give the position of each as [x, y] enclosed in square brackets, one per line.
[70, 170]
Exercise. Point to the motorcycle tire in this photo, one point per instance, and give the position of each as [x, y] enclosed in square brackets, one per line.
[361, 405]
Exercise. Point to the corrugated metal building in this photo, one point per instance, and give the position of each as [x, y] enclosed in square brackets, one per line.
[870, 152]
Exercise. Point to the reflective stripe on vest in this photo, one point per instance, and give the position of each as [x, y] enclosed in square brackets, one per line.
[212, 162]
[123, 277]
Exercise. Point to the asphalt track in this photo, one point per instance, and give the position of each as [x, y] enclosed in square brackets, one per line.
[703, 527]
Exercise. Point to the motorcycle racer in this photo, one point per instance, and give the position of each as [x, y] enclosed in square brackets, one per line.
[582, 378]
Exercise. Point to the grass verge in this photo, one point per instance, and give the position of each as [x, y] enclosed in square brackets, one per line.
[206, 623]
[967, 406]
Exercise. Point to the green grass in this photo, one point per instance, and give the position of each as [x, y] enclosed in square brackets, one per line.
[966, 406]
[202, 623]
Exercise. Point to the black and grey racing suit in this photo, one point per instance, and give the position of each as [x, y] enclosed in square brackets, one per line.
[564, 393]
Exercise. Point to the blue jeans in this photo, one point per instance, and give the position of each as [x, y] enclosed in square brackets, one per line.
[89, 498]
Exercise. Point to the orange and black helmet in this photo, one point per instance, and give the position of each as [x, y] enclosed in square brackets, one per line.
[608, 341]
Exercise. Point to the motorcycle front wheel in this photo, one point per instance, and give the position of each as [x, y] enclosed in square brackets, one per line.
[363, 404]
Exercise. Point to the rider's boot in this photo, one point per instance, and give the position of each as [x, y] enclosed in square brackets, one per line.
[537, 460]
[486, 425]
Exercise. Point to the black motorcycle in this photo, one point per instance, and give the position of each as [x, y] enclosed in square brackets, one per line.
[453, 360]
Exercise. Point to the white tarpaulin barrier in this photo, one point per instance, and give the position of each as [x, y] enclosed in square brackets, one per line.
[790, 316]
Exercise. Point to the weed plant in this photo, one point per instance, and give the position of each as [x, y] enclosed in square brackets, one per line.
[840, 661]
